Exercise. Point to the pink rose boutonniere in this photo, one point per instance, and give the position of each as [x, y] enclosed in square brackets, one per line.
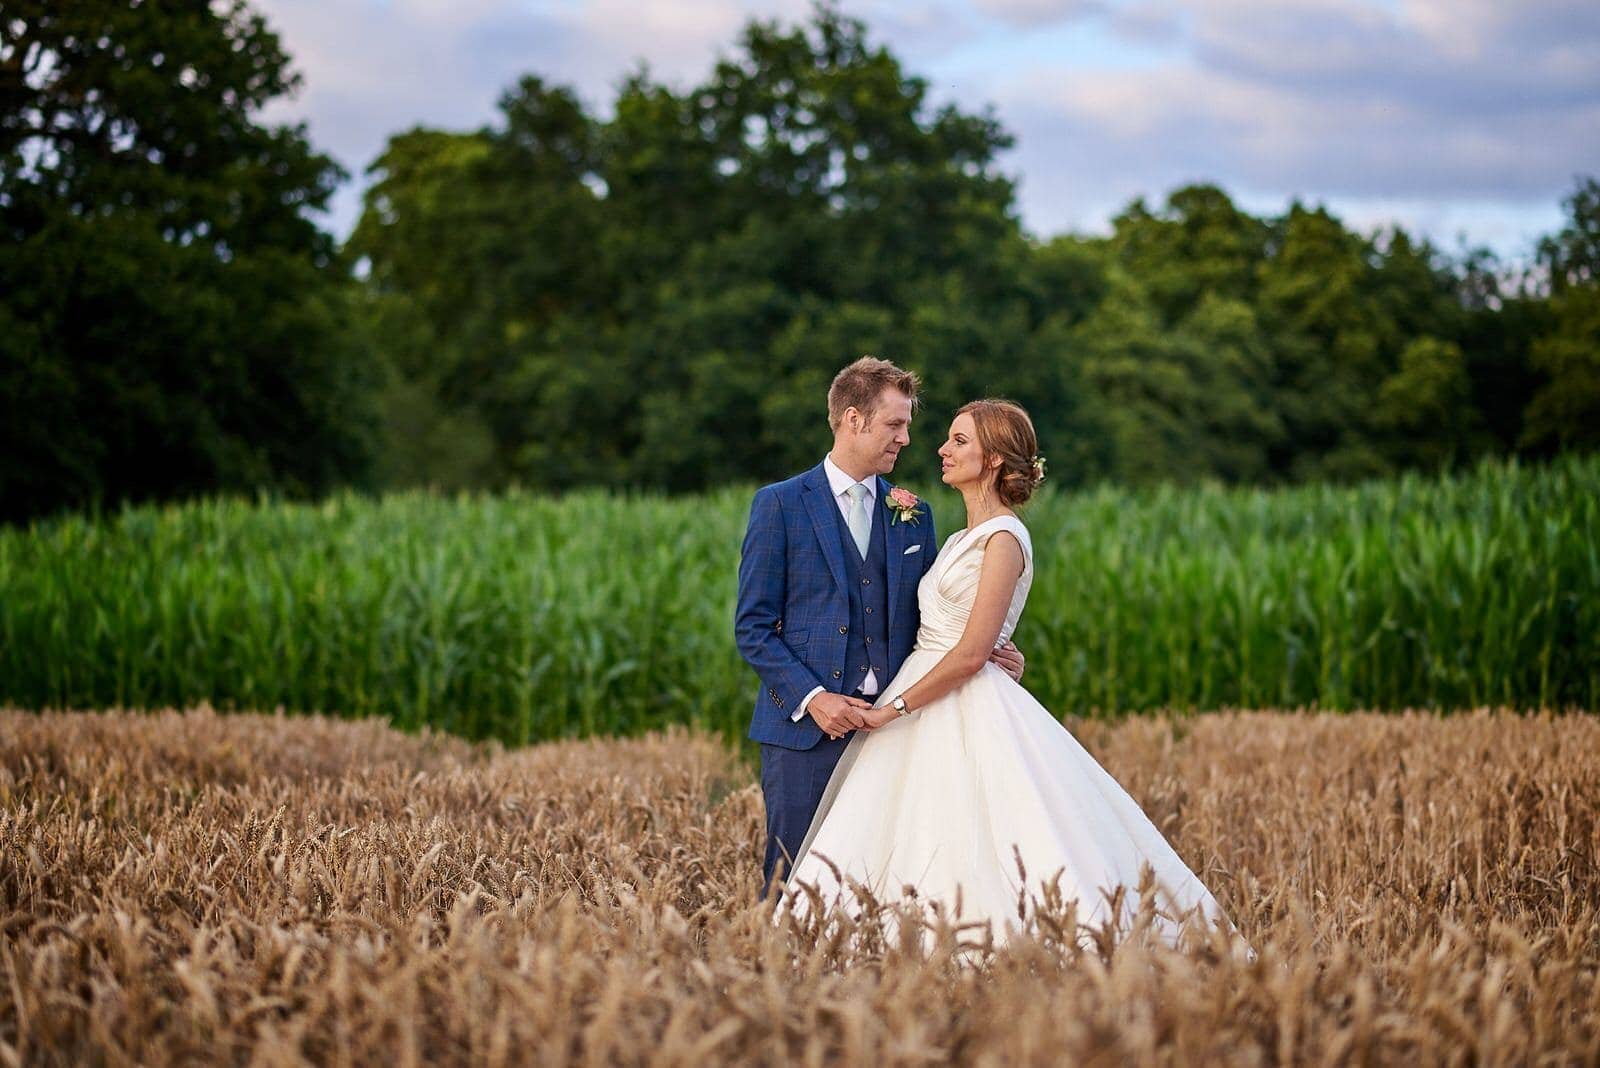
[903, 503]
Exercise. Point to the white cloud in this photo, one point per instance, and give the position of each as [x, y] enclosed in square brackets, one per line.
[1380, 102]
[1486, 58]
[1039, 12]
[1150, 22]
[1325, 99]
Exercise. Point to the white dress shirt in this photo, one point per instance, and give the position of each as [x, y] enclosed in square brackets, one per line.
[840, 483]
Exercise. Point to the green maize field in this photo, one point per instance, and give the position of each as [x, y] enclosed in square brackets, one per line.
[526, 618]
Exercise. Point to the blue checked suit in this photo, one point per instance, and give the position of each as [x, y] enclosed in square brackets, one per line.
[791, 625]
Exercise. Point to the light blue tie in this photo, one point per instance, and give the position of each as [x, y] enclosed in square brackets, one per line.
[859, 519]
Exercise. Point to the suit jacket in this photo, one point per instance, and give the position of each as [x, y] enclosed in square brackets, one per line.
[793, 603]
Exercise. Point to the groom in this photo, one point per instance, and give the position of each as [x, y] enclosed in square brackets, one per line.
[827, 604]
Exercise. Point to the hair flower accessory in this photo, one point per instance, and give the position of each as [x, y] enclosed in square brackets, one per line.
[1038, 469]
[903, 503]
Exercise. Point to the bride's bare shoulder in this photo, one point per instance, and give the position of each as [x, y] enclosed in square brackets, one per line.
[1010, 530]
[1004, 524]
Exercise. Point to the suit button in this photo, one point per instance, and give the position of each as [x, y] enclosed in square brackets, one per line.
[836, 674]
[866, 582]
[869, 641]
[869, 610]
[844, 630]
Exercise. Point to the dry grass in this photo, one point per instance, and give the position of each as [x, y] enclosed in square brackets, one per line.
[257, 890]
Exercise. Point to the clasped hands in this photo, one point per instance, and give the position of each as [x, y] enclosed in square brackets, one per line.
[838, 714]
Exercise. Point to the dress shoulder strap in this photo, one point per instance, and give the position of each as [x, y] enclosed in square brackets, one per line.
[1011, 524]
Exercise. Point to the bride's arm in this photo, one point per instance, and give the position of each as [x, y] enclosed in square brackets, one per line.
[997, 581]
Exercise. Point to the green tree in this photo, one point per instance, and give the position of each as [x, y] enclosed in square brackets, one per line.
[1176, 359]
[1571, 257]
[1500, 322]
[661, 297]
[1565, 412]
[1198, 244]
[416, 245]
[1327, 347]
[1237, 419]
[170, 319]
[1426, 403]
[1144, 387]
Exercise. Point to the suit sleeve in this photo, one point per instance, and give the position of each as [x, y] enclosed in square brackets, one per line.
[805, 705]
[758, 619]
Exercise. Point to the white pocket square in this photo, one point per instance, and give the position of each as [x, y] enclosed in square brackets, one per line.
[912, 549]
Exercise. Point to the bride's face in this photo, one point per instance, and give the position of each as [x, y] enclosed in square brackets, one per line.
[961, 455]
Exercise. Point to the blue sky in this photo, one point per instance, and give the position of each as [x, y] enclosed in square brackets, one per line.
[1450, 117]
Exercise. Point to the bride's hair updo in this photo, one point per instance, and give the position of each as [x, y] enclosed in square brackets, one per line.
[1004, 430]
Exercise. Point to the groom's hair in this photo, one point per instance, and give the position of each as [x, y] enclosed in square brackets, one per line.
[861, 384]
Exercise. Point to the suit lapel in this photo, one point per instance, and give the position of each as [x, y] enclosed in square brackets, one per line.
[894, 543]
[824, 519]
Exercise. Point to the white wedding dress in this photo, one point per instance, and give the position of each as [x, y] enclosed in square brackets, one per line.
[945, 799]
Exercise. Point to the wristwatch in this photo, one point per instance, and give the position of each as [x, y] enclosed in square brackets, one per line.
[899, 705]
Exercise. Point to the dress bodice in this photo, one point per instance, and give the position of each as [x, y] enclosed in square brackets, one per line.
[947, 592]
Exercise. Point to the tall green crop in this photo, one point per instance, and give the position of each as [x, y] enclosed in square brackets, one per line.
[527, 618]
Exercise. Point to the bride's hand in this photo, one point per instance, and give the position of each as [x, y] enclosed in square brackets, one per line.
[877, 717]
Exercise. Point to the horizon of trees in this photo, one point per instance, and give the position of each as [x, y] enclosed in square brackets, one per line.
[658, 299]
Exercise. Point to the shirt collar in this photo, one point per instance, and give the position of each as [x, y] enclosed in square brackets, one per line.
[838, 481]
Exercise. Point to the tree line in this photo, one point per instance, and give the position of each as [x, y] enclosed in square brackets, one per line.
[657, 297]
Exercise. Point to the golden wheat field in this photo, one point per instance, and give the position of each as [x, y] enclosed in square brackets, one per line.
[253, 889]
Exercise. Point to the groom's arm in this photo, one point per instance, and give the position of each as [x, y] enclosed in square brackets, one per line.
[763, 568]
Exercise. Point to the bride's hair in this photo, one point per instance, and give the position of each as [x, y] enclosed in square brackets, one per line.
[1004, 430]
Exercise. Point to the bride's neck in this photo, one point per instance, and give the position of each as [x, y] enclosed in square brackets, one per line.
[982, 506]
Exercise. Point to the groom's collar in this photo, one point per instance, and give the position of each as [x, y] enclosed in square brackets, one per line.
[838, 481]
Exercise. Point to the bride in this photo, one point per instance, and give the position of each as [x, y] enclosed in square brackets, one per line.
[962, 773]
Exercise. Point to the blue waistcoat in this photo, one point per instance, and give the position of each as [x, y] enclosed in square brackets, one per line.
[867, 644]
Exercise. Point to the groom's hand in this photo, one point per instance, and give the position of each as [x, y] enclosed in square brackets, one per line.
[1008, 658]
[837, 714]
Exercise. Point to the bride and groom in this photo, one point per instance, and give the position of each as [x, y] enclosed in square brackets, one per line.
[898, 749]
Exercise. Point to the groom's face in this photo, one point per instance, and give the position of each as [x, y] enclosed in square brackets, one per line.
[877, 441]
